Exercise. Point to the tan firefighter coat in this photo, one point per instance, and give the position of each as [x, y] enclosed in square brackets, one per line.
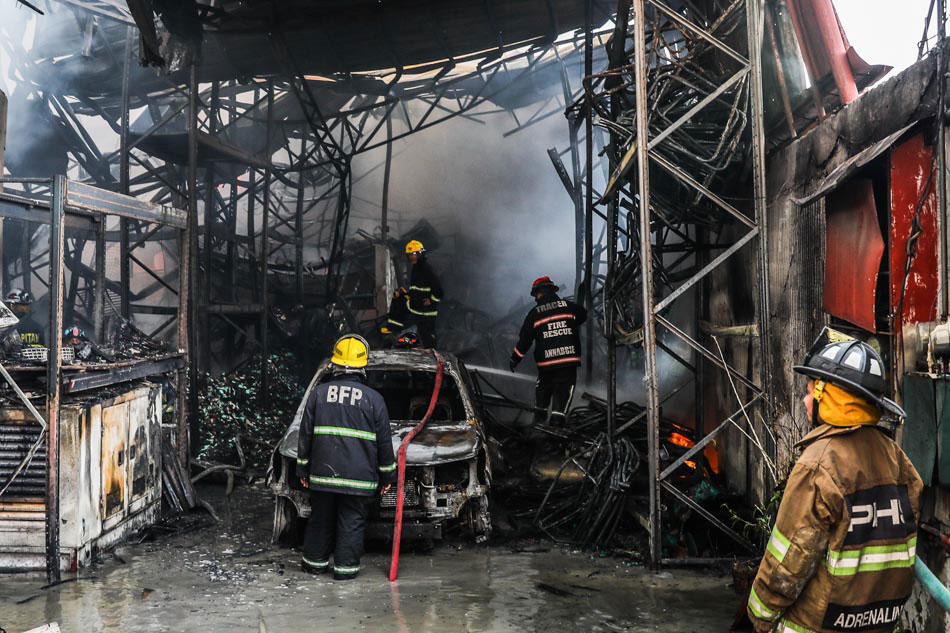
[841, 555]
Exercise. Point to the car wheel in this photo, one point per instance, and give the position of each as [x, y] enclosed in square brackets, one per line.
[285, 515]
[477, 519]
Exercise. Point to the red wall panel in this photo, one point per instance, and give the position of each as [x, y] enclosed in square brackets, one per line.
[911, 163]
[854, 247]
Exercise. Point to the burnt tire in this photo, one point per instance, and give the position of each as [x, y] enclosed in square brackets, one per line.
[288, 526]
[476, 519]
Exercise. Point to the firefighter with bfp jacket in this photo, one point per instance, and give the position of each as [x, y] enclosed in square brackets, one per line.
[553, 327]
[344, 455]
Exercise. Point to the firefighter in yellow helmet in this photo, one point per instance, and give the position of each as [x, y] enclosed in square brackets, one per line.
[841, 554]
[32, 334]
[425, 293]
[344, 455]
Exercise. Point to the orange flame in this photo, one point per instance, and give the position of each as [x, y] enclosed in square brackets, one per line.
[681, 440]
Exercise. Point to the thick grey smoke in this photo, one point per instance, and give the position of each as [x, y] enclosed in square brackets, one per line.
[503, 213]
[505, 219]
[34, 147]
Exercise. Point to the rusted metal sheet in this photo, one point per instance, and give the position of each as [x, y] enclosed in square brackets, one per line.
[826, 50]
[115, 435]
[853, 254]
[910, 175]
[110, 479]
[849, 167]
[144, 452]
[823, 44]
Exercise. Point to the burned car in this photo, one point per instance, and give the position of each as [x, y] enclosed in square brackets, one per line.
[448, 473]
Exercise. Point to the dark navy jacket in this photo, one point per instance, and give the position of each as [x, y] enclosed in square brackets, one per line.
[424, 285]
[345, 443]
[553, 326]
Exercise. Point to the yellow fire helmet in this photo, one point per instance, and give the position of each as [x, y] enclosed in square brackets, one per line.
[415, 246]
[350, 350]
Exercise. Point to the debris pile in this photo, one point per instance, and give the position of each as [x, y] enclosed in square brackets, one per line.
[128, 342]
[562, 478]
[231, 405]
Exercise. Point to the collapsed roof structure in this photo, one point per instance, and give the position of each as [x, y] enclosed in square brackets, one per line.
[248, 114]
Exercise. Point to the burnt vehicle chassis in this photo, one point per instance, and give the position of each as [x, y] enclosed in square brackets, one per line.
[448, 472]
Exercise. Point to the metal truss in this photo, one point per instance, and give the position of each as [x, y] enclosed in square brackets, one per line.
[264, 163]
[686, 110]
[117, 10]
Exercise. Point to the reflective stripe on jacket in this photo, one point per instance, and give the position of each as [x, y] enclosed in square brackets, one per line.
[841, 555]
[424, 286]
[553, 327]
[345, 443]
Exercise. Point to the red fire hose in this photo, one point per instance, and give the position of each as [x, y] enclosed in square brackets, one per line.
[401, 482]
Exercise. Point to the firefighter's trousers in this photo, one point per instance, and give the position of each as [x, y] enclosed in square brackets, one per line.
[335, 528]
[555, 389]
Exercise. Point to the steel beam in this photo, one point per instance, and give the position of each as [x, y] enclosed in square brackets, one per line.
[616, 177]
[80, 197]
[705, 270]
[646, 273]
[661, 230]
[125, 272]
[184, 442]
[36, 212]
[709, 437]
[688, 180]
[4, 271]
[763, 308]
[53, 378]
[76, 382]
[683, 23]
[98, 317]
[589, 193]
[265, 256]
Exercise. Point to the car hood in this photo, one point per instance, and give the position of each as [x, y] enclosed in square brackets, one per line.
[437, 443]
[7, 319]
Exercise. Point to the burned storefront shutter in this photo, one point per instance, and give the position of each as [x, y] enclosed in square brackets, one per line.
[854, 247]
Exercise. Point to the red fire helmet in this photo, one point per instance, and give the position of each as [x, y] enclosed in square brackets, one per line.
[542, 282]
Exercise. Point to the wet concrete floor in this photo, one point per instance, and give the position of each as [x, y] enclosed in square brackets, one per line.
[227, 577]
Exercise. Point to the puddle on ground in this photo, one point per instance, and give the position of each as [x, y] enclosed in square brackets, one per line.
[229, 577]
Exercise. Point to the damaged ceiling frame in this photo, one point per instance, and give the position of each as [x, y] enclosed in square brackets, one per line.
[278, 148]
[683, 107]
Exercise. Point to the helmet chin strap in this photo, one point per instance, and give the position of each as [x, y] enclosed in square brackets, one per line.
[340, 370]
[817, 395]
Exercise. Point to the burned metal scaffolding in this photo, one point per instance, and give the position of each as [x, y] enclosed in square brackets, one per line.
[261, 162]
[278, 149]
[257, 142]
[684, 107]
[82, 210]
